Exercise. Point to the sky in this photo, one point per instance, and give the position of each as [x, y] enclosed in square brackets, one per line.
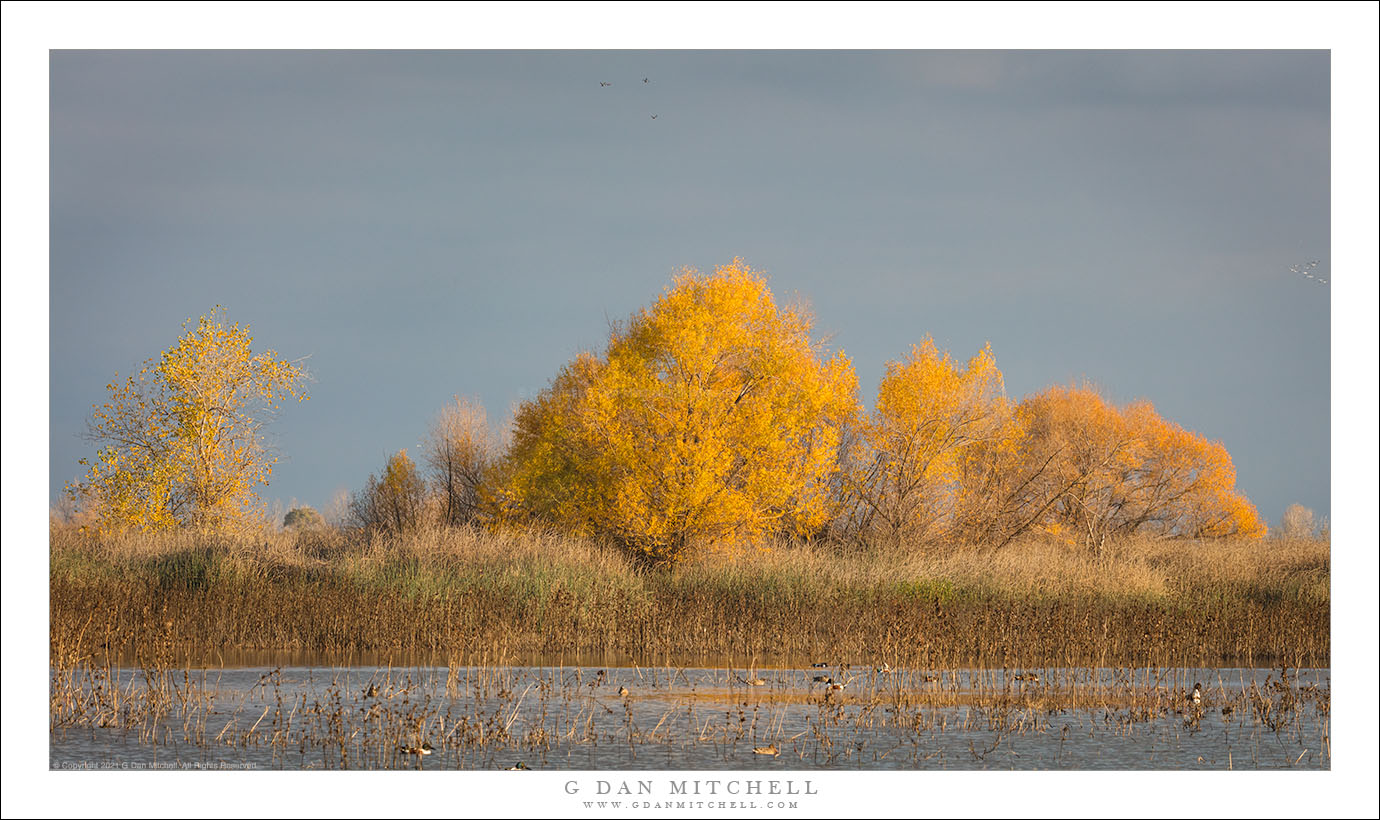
[425, 224]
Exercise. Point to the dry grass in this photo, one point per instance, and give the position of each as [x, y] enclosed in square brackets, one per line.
[455, 593]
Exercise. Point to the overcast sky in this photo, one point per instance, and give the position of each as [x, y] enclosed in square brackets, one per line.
[426, 224]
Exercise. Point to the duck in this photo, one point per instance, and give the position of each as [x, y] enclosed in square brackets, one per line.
[424, 749]
[820, 665]
[1197, 696]
[766, 750]
[930, 677]
[823, 679]
[518, 767]
[753, 681]
[622, 691]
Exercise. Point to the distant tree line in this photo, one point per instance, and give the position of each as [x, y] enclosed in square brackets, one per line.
[712, 416]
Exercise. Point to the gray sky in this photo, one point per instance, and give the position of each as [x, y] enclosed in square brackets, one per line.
[424, 224]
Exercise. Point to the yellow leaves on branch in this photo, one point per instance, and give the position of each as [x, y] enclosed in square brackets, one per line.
[945, 457]
[182, 443]
[1073, 465]
[712, 416]
[929, 412]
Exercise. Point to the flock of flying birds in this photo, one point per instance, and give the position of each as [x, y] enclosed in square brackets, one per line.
[1306, 270]
[645, 81]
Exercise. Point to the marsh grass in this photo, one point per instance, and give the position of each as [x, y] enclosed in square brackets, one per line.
[488, 715]
[443, 594]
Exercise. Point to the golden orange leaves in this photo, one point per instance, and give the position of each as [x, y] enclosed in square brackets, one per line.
[929, 412]
[184, 446]
[713, 416]
[1078, 468]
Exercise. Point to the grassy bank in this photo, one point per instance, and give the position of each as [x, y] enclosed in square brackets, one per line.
[445, 595]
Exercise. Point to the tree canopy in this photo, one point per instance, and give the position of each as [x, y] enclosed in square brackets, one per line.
[182, 443]
[713, 415]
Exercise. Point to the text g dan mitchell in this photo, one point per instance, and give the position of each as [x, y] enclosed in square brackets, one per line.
[686, 788]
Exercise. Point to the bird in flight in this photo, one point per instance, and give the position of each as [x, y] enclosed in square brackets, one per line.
[603, 84]
[654, 116]
[645, 80]
[1306, 270]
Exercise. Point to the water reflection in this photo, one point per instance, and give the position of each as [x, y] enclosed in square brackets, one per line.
[586, 717]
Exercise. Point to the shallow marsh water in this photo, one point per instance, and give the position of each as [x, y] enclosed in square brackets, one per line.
[633, 718]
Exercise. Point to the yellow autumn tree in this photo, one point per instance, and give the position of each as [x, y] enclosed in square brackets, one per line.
[1182, 484]
[929, 411]
[181, 443]
[1074, 466]
[547, 476]
[712, 417]
[1097, 453]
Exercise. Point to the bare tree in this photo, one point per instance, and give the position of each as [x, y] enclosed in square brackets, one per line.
[460, 451]
[393, 503]
[337, 510]
[1297, 522]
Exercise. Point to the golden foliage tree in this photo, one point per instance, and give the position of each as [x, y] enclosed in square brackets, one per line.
[182, 442]
[1097, 450]
[713, 416]
[1072, 465]
[1181, 484]
[929, 411]
[546, 474]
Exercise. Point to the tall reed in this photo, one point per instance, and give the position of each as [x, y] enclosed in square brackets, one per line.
[444, 593]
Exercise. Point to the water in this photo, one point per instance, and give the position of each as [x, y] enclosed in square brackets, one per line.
[697, 719]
